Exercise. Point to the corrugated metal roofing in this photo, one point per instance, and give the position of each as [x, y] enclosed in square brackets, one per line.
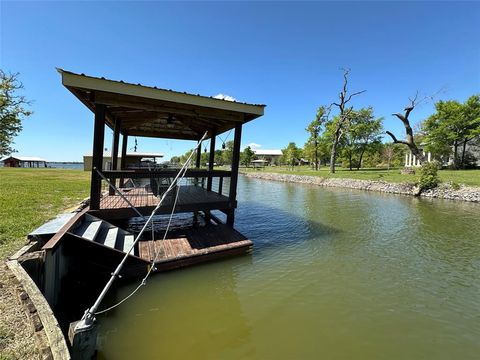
[268, 152]
[25, 158]
[60, 70]
[136, 154]
[147, 111]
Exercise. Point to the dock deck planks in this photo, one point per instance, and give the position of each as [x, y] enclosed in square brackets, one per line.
[189, 245]
[190, 198]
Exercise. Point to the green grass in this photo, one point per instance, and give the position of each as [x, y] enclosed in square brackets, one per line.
[29, 197]
[466, 177]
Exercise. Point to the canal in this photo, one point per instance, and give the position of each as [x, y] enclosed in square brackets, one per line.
[335, 274]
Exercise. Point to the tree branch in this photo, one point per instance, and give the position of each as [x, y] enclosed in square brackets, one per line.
[352, 95]
[395, 140]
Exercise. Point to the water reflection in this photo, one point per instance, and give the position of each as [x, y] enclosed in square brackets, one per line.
[334, 273]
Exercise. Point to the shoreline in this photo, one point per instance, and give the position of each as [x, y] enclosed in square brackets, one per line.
[443, 191]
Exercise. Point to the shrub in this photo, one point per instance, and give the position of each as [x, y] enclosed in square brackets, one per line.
[455, 186]
[429, 176]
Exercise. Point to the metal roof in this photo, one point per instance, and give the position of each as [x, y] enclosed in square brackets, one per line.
[154, 112]
[131, 154]
[25, 158]
[268, 152]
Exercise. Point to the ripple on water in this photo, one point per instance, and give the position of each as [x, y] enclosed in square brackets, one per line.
[337, 273]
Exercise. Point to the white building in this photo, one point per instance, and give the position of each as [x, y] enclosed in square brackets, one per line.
[133, 160]
[270, 156]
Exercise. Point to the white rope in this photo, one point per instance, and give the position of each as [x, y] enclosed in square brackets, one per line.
[151, 268]
[179, 177]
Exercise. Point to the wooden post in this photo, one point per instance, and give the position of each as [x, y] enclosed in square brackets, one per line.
[123, 160]
[220, 185]
[234, 176]
[211, 159]
[197, 165]
[97, 159]
[115, 142]
[199, 157]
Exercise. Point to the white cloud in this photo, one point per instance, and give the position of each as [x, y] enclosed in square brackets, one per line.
[225, 97]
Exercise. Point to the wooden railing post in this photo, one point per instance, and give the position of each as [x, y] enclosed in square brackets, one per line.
[220, 185]
[97, 159]
[234, 178]
[114, 152]
[123, 159]
[211, 158]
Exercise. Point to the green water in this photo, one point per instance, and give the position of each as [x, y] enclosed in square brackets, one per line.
[335, 274]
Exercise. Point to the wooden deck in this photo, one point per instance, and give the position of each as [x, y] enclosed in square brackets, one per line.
[194, 245]
[191, 198]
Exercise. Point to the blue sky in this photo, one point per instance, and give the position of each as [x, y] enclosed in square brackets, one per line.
[283, 54]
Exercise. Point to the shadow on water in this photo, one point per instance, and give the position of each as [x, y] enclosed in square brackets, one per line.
[149, 314]
[384, 274]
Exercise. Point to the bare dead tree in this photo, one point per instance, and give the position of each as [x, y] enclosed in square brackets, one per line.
[409, 139]
[343, 117]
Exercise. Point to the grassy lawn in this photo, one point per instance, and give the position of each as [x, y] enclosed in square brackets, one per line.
[466, 177]
[29, 197]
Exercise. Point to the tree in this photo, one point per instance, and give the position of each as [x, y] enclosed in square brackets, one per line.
[388, 153]
[291, 154]
[247, 156]
[13, 110]
[451, 127]
[175, 160]
[343, 117]
[409, 140]
[227, 153]
[314, 128]
[362, 132]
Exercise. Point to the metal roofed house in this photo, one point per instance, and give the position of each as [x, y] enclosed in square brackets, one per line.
[24, 162]
[133, 160]
[271, 156]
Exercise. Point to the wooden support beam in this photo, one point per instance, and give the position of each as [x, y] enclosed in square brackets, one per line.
[163, 134]
[234, 179]
[165, 107]
[199, 157]
[123, 159]
[211, 158]
[114, 152]
[97, 160]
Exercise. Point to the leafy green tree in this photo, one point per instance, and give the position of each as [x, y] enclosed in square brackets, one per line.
[175, 160]
[291, 154]
[314, 128]
[219, 157]
[13, 110]
[247, 156]
[362, 132]
[227, 153]
[451, 127]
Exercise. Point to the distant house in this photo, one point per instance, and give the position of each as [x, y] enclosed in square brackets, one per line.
[472, 155]
[412, 161]
[133, 160]
[271, 157]
[24, 162]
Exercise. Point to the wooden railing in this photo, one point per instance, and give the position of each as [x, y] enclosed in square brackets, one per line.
[199, 177]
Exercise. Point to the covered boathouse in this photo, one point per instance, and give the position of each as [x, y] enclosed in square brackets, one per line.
[24, 162]
[98, 234]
